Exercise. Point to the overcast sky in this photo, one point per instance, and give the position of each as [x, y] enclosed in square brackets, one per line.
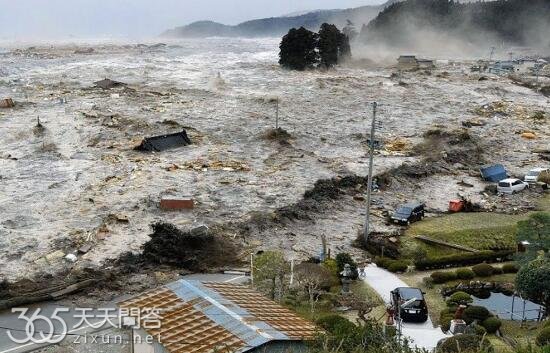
[34, 19]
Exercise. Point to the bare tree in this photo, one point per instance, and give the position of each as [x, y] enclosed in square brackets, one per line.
[363, 306]
[312, 279]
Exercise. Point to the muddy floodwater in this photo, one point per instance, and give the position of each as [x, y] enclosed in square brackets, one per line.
[69, 175]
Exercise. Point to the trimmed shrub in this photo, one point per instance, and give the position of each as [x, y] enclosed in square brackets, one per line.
[439, 277]
[464, 343]
[510, 268]
[497, 270]
[463, 259]
[459, 298]
[491, 324]
[465, 273]
[483, 270]
[543, 338]
[445, 317]
[479, 330]
[398, 266]
[475, 313]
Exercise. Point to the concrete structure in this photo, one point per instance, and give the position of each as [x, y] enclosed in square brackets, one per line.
[204, 317]
[407, 62]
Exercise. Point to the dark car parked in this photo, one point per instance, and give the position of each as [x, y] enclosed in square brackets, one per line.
[408, 213]
[417, 311]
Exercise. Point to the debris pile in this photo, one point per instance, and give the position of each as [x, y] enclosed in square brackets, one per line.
[106, 84]
[196, 250]
[7, 103]
[203, 165]
[164, 142]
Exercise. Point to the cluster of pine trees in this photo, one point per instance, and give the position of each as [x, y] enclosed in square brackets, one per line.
[302, 49]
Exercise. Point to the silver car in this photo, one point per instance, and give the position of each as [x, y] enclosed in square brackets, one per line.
[511, 186]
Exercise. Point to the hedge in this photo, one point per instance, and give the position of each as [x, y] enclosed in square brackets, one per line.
[473, 313]
[465, 273]
[510, 268]
[464, 343]
[463, 259]
[543, 338]
[391, 265]
[439, 277]
[483, 270]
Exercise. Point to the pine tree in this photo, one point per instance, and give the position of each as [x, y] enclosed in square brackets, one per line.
[298, 49]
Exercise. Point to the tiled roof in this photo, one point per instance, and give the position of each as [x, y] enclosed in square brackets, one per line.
[201, 317]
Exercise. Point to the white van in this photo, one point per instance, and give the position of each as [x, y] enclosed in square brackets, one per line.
[511, 186]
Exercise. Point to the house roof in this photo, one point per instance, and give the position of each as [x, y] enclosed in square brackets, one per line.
[164, 142]
[204, 317]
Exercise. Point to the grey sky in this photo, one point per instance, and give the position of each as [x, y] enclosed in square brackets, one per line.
[34, 19]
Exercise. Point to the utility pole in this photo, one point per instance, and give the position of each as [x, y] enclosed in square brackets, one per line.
[371, 160]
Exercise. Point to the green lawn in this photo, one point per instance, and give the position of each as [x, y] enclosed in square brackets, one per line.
[480, 230]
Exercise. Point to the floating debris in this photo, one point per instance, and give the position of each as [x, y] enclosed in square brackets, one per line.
[164, 142]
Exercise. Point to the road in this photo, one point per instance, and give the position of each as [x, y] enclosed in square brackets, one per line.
[72, 318]
[422, 335]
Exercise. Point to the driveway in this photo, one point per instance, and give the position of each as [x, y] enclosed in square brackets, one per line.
[422, 335]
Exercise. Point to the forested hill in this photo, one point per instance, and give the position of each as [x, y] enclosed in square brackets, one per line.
[519, 22]
[277, 26]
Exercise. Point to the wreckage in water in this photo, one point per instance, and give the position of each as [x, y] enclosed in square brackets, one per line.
[164, 142]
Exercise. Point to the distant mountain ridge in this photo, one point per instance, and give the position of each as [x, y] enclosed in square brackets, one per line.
[277, 26]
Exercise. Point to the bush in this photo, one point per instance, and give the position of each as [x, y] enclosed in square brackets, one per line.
[465, 273]
[459, 298]
[445, 317]
[510, 268]
[475, 313]
[483, 270]
[441, 277]
[463, 259]
[491, 324]
[331, 265]
[543, 338]
[479, 330]
[336, 324]
[382, 261]
[464, 343]
[497, 270]
[392, 265]
[398, 266]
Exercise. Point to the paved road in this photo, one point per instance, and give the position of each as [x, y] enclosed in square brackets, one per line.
[423, 335]
[72, 318]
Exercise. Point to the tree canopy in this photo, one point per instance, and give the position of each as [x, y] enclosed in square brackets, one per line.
[533, 281]
[298, 49]
[302, 49]
[536, 231]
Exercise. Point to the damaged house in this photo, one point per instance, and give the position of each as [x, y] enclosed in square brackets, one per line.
[164, 142]
[208, 317]
[411, 62]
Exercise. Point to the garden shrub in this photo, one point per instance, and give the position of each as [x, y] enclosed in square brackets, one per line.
[479, 330]
[464, 343]
[398, 266]
[510, 268]
[463, 259]
[465, 273]
[344, 258]
[336, 324]
[473, 313]
[543, 338]
[445, 317]
[483, 270]
[441, 277]
[492, 324]
[497, 270]
[382, 261]
[459, 298]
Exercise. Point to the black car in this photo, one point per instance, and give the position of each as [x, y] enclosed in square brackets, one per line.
[417, 311]
[408, 213]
